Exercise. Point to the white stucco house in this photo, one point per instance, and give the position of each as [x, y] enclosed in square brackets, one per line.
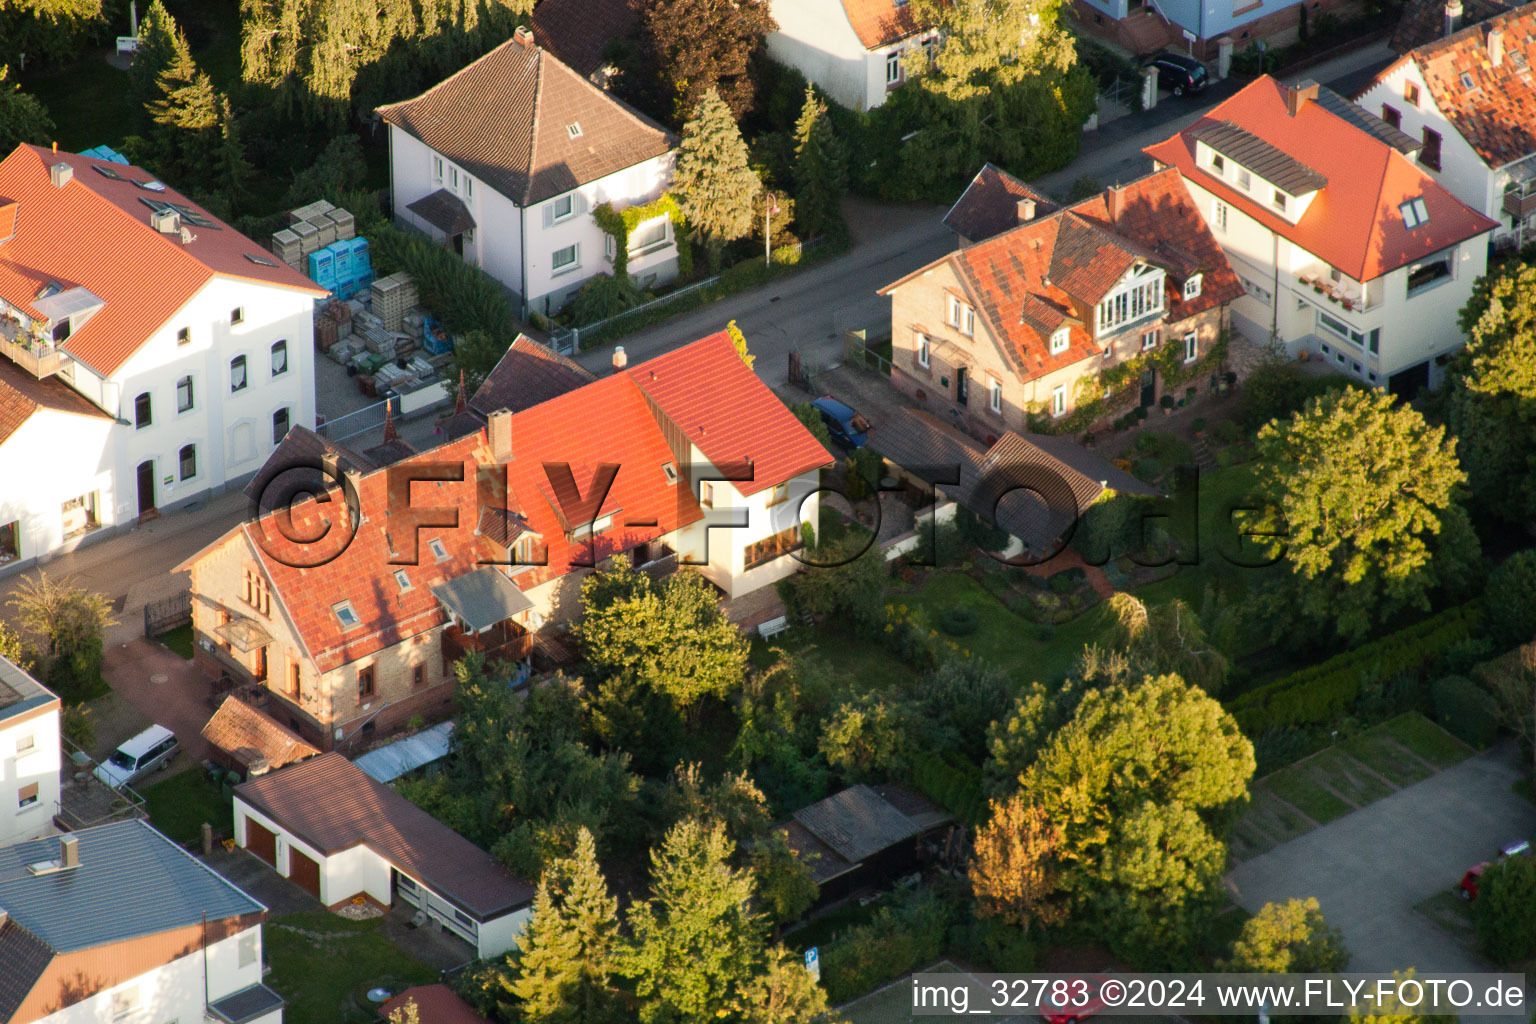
[505, 160]
[851, 49]
[1348, 251]
[1471, 101]
[118, 923]
[339, 834]
[149, 353]
[29, 756]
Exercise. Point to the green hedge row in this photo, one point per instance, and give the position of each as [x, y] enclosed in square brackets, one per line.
[952, 784]
[1328, 690]
[907, 935]
[1466, 710]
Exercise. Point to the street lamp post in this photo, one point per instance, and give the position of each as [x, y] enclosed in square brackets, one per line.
[770, 207]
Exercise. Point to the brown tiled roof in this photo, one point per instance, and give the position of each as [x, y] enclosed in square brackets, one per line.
[1423, 21]
[333, 805]
[507, 119]
[822, 861]
[881, 22]
[857, 823]
[436, 1004]
[527, 375]
[990, 205]
[1030, 493]
[578, 31]
[1497, 114]
[22, 394]
[296, 466]
[444, 211]
[245, 734]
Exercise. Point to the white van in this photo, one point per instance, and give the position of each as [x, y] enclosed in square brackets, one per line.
[149, 751]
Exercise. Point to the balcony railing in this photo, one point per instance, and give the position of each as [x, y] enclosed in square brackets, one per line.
[506, 641]
[39, 358]
[1520, 200]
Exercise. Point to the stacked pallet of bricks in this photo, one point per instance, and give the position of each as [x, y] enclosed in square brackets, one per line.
[320, 227]
[393, 297]
[333, 322]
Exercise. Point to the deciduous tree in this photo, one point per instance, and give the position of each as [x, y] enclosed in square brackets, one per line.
[1363, 500]
[1506, 910]
[1287, 938]
[69, 621]
[785, 887]
[783, 992]
[988, 43]
[1165, 638]
[670, 636]
[23, 118]
[703, 46]
[1391, 1010]
[1015, 872]
[717, 189]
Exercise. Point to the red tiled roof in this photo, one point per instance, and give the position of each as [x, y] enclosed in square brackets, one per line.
[723, 408]
[990, 204]
[436, 1004]
[578, 31]
[22, 394]
[1497, 116]
[506, 119]
[334, 805]
[1026, 282]
[1353, 222]
[95, 233]
[529, 373]
[245, 733]
[881, 22]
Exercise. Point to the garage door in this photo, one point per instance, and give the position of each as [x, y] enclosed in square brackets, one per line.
[261, 841]
[304, 872]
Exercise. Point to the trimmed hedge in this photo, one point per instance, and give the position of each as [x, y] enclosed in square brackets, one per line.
[1466, 710]
[902, 937]
[953, 784]
[1327, 691]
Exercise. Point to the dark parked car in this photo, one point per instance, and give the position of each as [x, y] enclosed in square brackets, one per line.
[847, 427]
[1179, 74]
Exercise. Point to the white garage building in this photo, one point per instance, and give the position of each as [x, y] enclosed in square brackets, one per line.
[336, 832]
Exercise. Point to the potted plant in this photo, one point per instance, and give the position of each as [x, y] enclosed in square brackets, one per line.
[1348, 303]
[1317, 286]
[1189, 394]
[1198, 425]
[1167, 403]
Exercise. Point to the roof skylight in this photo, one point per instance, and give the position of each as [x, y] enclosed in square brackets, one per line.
[1414, 213]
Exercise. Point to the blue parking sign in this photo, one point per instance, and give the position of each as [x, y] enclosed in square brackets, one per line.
[813, 962]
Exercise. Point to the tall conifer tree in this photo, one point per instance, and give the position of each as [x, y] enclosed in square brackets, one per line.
[718, 189]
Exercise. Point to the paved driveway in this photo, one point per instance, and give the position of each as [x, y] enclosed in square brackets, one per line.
[1369, 868]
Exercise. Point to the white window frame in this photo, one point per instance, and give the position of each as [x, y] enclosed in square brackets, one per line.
[191, 394]
[1137, 299]
[402, 580]
[570, 207]
[1244, 179]
[1061, 339]
[1151, 338]
[245, 374]
[994, 394]
[1192, 287]
[557, 268]
[961, 316]
[636, 249]
[1219, 215]
[1058, 401]
[1191, 346]
[1414, 213]
[280, 345]
[439, 552]
[893, 68]
[924, 351]
[437, 170]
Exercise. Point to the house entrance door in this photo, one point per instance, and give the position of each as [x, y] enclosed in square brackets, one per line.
[146, 487]
[1148, 388]
[962, 386]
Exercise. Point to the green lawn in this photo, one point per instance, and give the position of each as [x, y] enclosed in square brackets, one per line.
[1377, 749]
[1004, 638]
[1347, 777]
[1427, 739]
[179, 806]
[321, 970]
[1297, 788]
[179, 640]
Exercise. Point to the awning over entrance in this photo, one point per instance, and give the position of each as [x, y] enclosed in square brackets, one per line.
[444, 211]
[244, 635]
[482, 598]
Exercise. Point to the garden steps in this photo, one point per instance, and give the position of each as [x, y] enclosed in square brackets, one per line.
[1204, 457]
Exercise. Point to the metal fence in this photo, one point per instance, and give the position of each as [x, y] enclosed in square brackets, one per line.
[161, 617]
[361, 421]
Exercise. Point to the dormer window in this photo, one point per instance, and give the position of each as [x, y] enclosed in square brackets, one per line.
[1244, 179]
[1218, 163]
[1141, 295]
[1280, 200]
[1060, 339]
[1414, 213]
[1192, 287]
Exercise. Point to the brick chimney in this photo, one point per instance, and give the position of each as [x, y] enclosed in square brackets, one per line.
[1112, 203]
[1496, 46]
[499, 428]
[1452, 16]
[523, 35]
[1026, 210]
[1298, 95]
[620, 357]
[69, 852]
